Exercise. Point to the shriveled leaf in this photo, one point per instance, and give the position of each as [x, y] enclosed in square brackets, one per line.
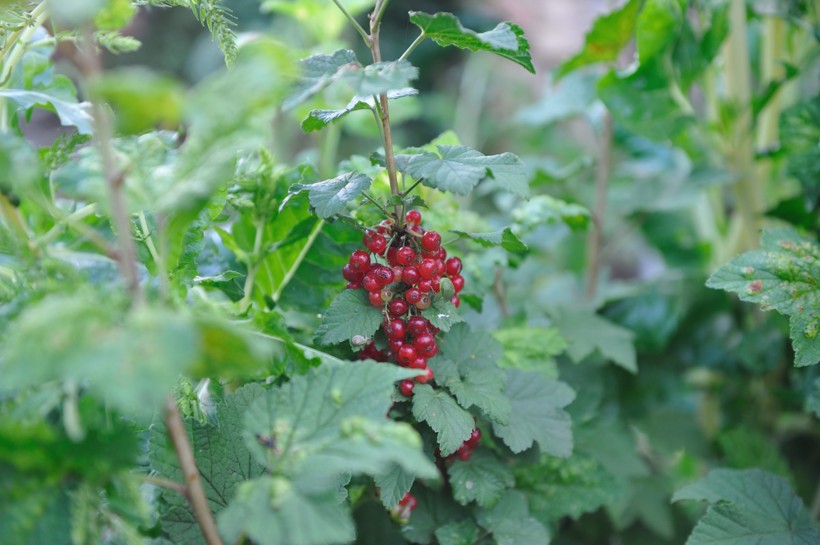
[440, 411]
[506, 39]
[330, 197]
[537, 414]
[505, 238]
[349, 315]
[482, 478]
[748, 507]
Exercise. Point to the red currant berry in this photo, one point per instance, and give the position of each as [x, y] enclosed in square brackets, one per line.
[384, 275]
[427, 269]
[406, 387]
[436, 283]
[426, 377]
[475, 437]
[425, 302]
[419, 363]
[397, 307]
[391, 256]
[442, 254]
[353, 285]
[425, 286]
[439, 267]
[458, 282]
[429, 351]
[423, 342]
[369, 283]
[413, 296]
[350, 274]
[410, 275]
[417, 325]
[452, 266]
[395, 345]
[385, 226]
[395, 331]
[406, 354]
[431, 241]
[405, 255]
[456, 300]
[360, 261]
[413, 217]
[464, 452]
[375, 298]
[398, 270]
[377, 244]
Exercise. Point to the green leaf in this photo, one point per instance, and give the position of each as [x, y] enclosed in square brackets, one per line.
[748, 507]
[505, 238]
[657, 26]
[223, 461]
[510, 522]
[531, 348]
[442, 313]
[319, 119]
[586, 332]
[482, 479]
[393, 484]
[799, 133]
[435, 510]
[745, 447]
[572, 97]
[321, 71]
[459, 169]
[37, 516]
[609, 34]
[440, 411]
[274, 511]
[543, 209]
[506, 39]
[349, 315]
[783, 275]
[70, 114]
[330, 197]
[463, 532]
[537, 414]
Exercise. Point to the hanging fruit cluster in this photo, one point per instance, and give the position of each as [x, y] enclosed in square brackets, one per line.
[401, 271]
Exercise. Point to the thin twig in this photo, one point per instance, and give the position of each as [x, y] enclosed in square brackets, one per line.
[367, 196]
[413, 46]
[601, 186]
[498, 290]
[194, 492]
[353, 22]
[162, 482]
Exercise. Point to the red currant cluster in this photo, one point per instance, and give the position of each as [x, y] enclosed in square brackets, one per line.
[402, 276]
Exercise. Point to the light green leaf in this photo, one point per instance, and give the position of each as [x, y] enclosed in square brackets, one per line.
[440, 411]
[76, 114]
[505, 238]
[543, 209]
[330, 197]
[442, 313]
[783, 275]
[459, 169]
[748, 507]
[537, 414]
[609, 34]
[350, 314]
[463, 532]
[393, 484]
[531, 348]
[571, 97]
[586, 332]
[657, 26]
[483, 478]
[506, 39]
[274, 511]
[510, 522]
[319, 119]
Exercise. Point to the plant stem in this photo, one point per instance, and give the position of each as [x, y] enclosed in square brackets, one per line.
[378, 11]
[498, 290]
[299, 259]
[367, 196]
[411, 188]
[193, 487]
[601, 186]
[114, 177]
[253, 265]
[165, 483]
[412, 47]
[353, 22]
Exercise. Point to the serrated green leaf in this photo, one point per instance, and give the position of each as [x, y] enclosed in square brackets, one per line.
[459, 169]
[586, 332]
[510, 522]
[745, 447]
[273, 511]
[321, 71]
[482, 479]
[330, 197]
[531, 348]
[75, 114]
[319, 119]
[536, 414]
[656, 27]
[442, 313]
[463, 532]
[748, 507]
[783, 275]
[506, 39]
[440, 411]
[505, 238]
[799, 133]
[350, 314]
[609, 34]
[393, 484]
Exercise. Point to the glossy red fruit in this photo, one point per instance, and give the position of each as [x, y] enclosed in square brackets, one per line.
[406, 255]
[377, 244]
[464, 452]
[350, 274]
[391, 256]
[458, 282]
[425, 286]
[456, 300]
[428, 351]
[423, 342]
[384, 275]
[413, 217]
[439, 267]
[413, 296]
[426, 377]
[431, 241]
[417, 325]
[409, 500]
[410, 275]
[371, 284]
[375, 298]
[360, 261]
[442, 254]
[353, 285]
[395, 345]
[395, 331]
[406, 387]
[406, 355]
[475, 437]
[397, 307]
[436, 284]
[419, 363]
[385, 226]
[452, 266]
[425, 302]
[427, 269]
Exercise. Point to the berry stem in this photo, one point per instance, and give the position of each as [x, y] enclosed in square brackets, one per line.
[411, 188]
[353, 22]
[367, 196]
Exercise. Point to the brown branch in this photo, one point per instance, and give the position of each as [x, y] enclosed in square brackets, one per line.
[498, 290]
[193, 487]
[601, 186]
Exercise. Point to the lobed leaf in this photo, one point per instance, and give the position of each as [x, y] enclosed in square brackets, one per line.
[71, 114]
[505, 238]
[586, 332]
[350, 314]
[440, 411]
[510, 522]
[330, 197]
[482, 479]
[319, 119]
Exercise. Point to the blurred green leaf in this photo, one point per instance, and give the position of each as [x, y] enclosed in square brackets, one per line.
[393, 484]
[571, 97]
[141, 99]
[505, 238]
[531, 348]
[20, 167]
[482, 479]
[463, 532]
[544, 209]
[586, 332]
[657, 26]
[510, 522]
[745, 447]
[71, 114]
[799, 134]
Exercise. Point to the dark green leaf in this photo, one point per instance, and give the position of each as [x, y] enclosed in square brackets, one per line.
[586, 332]
[482, 478]
[799, 133]
[319, 119]
[506, 39]
[442, 314]
[510, 522]
[505, 238]
[657, 26]
[349, 315]
[451, 423]
[463, 532]
[330, 197]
